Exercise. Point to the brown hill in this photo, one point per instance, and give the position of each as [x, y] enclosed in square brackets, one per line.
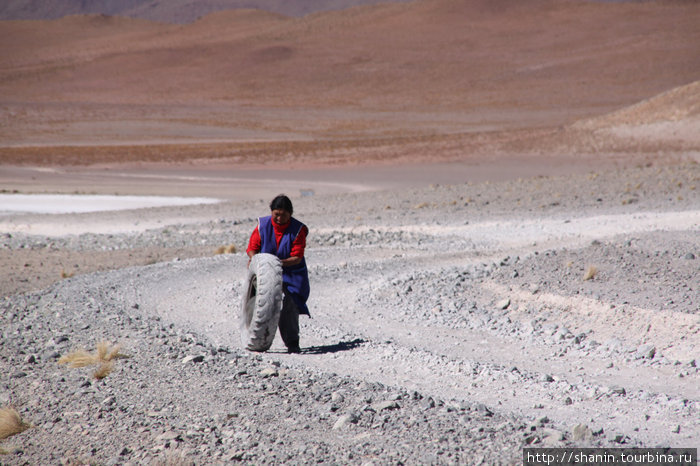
[427, 67]
[172, 11]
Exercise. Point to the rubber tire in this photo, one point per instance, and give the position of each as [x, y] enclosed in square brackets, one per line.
[262, 302]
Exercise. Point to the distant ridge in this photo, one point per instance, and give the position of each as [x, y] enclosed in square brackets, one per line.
[172, 11]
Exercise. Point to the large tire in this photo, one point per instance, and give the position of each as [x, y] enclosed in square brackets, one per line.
[262, 302]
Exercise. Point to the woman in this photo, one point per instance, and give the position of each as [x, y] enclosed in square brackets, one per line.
[284, 236]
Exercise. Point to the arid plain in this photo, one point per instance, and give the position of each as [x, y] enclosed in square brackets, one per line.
[461, 165]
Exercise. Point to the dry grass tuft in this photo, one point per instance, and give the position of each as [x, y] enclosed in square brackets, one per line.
[103, 355]
[230, 249]
[591, 273]
[104, 370]
[78, 358]
[106, 355]
[65, 274]
[11, 423]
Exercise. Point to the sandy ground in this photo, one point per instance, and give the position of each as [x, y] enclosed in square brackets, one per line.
[466, 292]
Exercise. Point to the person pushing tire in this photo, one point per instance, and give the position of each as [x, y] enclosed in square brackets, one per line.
[284, 238]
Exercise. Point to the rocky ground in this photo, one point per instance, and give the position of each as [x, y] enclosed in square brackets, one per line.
[450, 324]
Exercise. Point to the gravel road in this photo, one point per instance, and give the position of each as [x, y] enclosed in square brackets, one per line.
[449, 324]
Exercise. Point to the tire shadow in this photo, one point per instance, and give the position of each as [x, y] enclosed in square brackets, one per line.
[340, 346]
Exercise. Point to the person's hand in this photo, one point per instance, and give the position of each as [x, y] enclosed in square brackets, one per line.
[250, 258]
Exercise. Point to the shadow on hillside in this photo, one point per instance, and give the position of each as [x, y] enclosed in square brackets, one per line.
[340, 346]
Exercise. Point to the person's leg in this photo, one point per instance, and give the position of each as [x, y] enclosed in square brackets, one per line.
[289, 324]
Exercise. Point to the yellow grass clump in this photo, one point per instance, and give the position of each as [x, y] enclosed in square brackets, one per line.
[103, 370]
[11, 423]
[104, 357]
[230, 249]
[590, 273]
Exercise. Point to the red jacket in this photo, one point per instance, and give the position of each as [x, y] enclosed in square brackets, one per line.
[297, 247]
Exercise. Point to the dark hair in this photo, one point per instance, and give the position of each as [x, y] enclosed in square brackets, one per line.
[282, 202]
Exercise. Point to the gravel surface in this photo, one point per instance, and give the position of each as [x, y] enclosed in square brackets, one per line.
[450, 324]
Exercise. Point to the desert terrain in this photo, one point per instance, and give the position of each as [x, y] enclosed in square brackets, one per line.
[504, 245]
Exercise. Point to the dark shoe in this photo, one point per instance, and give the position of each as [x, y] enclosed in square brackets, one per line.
[293, 349]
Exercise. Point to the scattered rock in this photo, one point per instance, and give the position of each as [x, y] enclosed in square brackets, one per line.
[168, 435]
[552, 437]
[617, 390]
[344, 420]
[582, 433]
[383, 405]
[503, 304]
[428, 403]
[269, 372]
[191, 358]
[646, 351]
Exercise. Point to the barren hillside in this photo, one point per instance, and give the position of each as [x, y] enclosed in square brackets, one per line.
[173, 11]
[427, 68]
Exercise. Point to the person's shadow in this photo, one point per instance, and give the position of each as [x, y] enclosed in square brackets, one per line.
[340, 346]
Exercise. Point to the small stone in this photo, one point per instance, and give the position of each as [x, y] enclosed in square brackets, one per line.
[168, 435]
[428, 403]
[345, 419]
[109, 401]
[31, 359]
[568, 401]
[337, 397]
[616, 390]
[198, 358]
[689, 256]
[582, 432]
[503, 304]
[546, 378]
[382, 405]
[646, 352]
[676, 430]
[269, 372]
[552, 437]
[483, 409]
